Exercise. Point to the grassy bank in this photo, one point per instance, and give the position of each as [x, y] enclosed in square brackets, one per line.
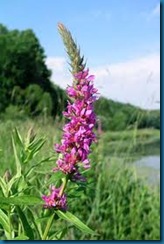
[116, 203]
[123, 144]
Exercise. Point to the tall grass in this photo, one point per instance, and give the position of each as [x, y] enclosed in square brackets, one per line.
[120, 206]
[116, 203]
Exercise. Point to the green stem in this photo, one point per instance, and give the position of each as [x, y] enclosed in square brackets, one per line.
[48, 226]
[65, 180]
[10, 233]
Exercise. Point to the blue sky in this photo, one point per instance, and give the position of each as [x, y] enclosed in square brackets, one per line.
[114, 35]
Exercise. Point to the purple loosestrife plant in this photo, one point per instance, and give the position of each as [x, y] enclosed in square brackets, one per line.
[78, 133]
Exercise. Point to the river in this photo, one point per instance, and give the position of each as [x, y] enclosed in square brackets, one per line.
[149, 168]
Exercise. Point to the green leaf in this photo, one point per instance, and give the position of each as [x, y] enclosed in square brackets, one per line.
[12, 181]
[30, 137]
[33, 148]
[21, 200]
[26, 226]
[18, 166]
[36, 144]
[22, 184]
[18, 138]
[4, 221]
[32, 216]
[42, 219]
[21, 237]
[60, 234]
[17, 162]
[4, 206]
[47, 160]
[74, 220]
[3, 186]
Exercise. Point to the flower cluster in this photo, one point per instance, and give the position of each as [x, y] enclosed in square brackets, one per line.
[55, 200]
[78, 134]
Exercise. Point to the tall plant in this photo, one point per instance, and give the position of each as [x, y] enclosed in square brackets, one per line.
[18, 191]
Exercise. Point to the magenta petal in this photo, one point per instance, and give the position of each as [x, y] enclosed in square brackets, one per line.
[55, 200]
[91, 78]
[78, 133]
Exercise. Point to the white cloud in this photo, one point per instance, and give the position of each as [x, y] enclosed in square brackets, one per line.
[135, 81]
[56, 63]
[60, 74]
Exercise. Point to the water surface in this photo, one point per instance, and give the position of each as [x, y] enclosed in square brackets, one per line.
[149, 161]
[148, 167]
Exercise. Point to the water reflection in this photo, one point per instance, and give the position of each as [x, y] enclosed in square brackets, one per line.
[149, 168]
[149, 161]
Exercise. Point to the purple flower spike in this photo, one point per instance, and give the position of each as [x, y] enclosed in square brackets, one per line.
[78, 134]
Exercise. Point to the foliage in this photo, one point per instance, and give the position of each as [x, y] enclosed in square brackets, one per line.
[118, 116]
[20, 189]
[23, 70]
[114, 202]
[115, 197]
[25, 83]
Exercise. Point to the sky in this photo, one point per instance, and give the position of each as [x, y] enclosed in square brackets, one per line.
[120, 40]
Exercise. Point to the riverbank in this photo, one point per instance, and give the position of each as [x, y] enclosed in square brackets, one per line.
[116, 204]
[127, 146]
[131, 143]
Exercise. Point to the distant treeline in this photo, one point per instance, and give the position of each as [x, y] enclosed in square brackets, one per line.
[118, 116]
[26, 88]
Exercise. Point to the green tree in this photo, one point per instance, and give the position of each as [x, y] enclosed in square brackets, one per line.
[22, 63]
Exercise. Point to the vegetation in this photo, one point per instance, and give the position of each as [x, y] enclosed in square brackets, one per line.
[26, 88]
[126, 145]
[115, 202]
[118, 116]
[24, 77]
